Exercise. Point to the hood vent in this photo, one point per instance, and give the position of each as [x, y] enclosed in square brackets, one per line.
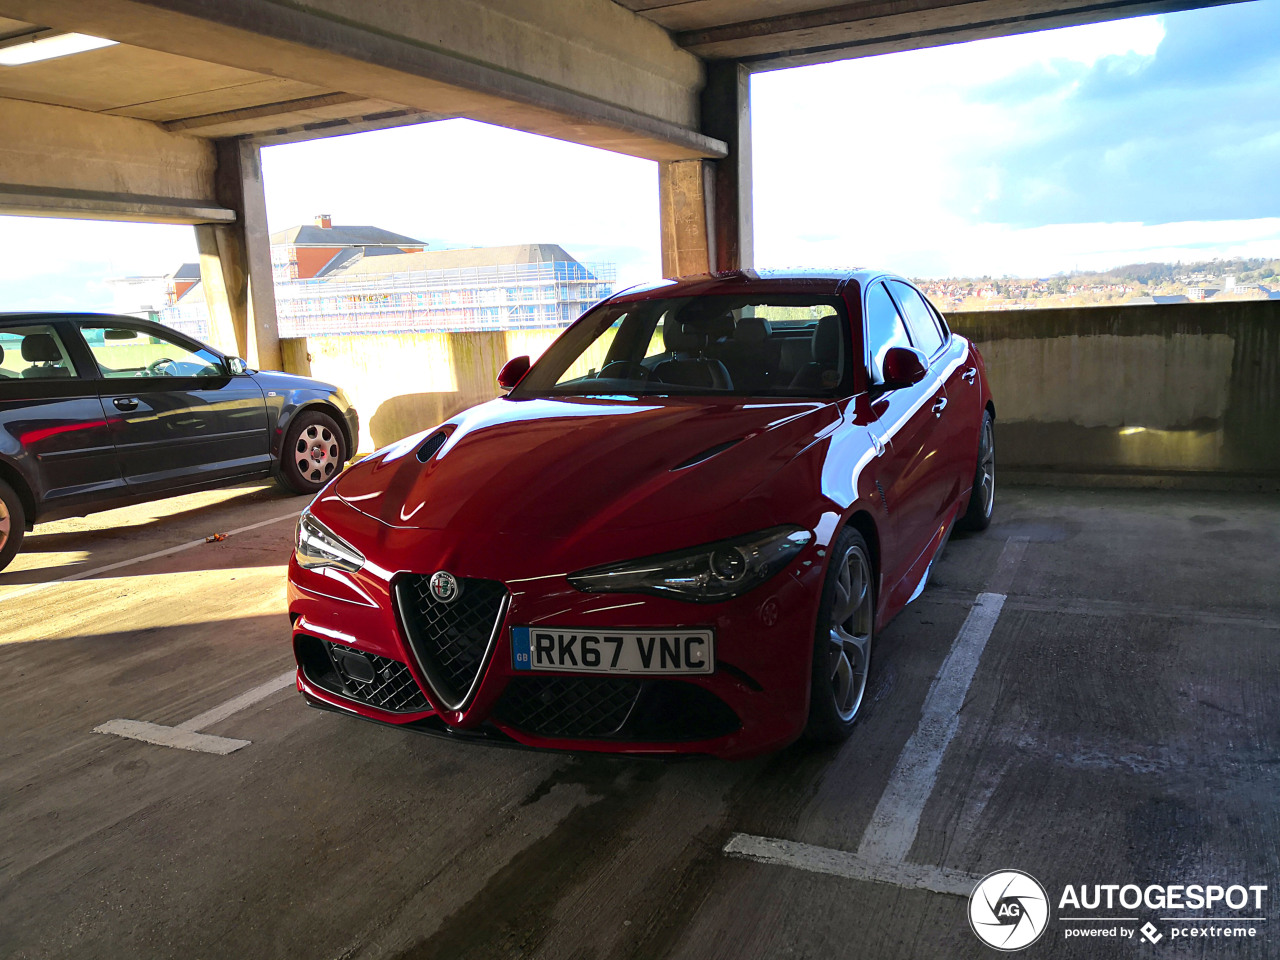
[432, 445]
[706, 454]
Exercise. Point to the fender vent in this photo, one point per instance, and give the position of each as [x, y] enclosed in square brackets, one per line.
[707, 454]
[431, 445]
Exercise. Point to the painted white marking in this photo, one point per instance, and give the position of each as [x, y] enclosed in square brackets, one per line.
[170, 736]
[882, 855]
[838, 863]
[236, 704]
[184, 735]
[96, 571]
[896, 819]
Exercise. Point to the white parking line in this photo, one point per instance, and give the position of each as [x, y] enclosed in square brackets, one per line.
[895, 822]
[184, 735]
[837, 863]
[85, 574]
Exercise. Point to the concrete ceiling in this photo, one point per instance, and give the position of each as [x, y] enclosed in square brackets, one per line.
[126, 130]
[219, 97]
[180, 93]
[770, 34]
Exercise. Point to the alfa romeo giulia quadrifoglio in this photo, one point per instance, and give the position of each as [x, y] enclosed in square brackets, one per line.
[679, 531]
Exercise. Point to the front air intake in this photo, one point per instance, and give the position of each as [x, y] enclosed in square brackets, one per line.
[451, 640]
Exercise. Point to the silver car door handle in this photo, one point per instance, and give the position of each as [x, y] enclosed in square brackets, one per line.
[939, 405]
[970, 374]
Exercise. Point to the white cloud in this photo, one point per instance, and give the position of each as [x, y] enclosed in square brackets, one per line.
[895, 161]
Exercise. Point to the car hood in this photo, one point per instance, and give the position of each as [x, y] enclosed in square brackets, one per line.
[567, 469]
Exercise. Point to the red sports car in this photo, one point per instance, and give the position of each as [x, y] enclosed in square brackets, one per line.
[678, 532]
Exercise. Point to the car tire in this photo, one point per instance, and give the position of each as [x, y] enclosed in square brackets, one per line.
[982, 499]
[842, 646]
[313, 452]
[13, 524]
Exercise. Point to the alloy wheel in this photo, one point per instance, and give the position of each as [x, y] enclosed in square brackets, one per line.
[5, 524]
[987, 467]
[317, 453]
[852, 617]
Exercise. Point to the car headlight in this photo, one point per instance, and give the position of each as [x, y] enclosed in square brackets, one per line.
[707, 574]
[315, 545]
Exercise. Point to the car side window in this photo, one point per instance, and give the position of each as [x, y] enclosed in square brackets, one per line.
[885, 328]
[34, 352]
[924, 327]
[123, 351]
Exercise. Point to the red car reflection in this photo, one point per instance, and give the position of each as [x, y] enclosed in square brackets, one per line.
[679, 532]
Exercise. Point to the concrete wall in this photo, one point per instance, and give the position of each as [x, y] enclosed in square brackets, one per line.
[405, 382]
[1150, 395]
[1158, 394]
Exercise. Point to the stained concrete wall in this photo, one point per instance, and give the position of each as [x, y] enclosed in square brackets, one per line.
[1150, 395]
[405, 382]
[1158, 394]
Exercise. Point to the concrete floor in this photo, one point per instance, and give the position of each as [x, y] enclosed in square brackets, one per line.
[1122, 726]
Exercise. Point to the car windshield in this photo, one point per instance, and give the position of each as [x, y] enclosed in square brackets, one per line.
[763, 345]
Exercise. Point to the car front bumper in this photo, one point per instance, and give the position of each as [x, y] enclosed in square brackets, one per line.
[756, 700]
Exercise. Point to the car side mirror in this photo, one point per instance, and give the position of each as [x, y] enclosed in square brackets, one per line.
[513, 372]
[903, 367]
[237, 367]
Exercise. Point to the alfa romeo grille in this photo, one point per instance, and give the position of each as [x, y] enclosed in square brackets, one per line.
[568, 706]
[453, 640]
[383, 683]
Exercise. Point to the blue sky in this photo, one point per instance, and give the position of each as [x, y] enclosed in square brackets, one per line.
[1151, 138]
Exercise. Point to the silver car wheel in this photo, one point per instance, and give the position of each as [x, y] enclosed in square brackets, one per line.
[317, 453]
[5, 524]
[852, 619]
[987, 468]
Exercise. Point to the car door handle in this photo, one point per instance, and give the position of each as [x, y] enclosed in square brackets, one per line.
[970, 374]
[126, 403]
[939, 405]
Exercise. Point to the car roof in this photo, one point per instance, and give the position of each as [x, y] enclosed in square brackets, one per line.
[823, 280]
[65, 315]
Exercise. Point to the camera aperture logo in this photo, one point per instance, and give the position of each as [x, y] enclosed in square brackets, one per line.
[1008, 910]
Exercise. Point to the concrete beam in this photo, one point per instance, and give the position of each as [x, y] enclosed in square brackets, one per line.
[586, 71]
[870, 27]
[60, 162]
[686, 190]
[323, 129]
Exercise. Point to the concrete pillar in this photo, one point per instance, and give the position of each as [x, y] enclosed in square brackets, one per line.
[684, 200]
[706, 204]
[225, 281]
[235, 261]
[726, 115]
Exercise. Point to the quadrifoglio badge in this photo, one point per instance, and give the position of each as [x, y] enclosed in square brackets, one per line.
[1010, 910]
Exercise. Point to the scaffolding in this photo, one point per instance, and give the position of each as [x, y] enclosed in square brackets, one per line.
[502, 297]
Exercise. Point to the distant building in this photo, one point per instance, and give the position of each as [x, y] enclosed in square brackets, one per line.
[372, 285]
[307, 251]
[482, 288]
[148, 296]
[1157, 298]
[1202, 292]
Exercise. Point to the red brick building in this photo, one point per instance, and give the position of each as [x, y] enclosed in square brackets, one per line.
[307, 251]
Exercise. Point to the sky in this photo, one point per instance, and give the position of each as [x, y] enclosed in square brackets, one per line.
[1155, 138]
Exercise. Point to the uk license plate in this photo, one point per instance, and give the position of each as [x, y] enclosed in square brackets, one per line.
[613, 651]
